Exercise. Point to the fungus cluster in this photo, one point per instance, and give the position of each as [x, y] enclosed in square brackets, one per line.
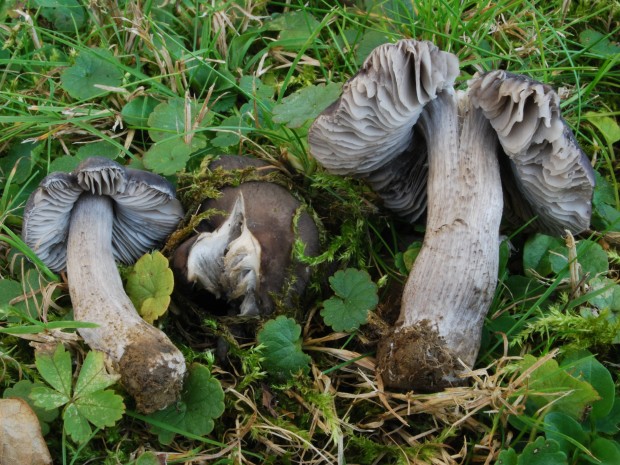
[420, 144]
[82, 222]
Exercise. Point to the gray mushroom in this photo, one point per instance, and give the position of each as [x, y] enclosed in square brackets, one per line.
[82, 222]
[245, 253]
[371, 133]
[402, 99]
[552, 174]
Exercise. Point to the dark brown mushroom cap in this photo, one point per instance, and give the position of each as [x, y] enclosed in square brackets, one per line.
[270, 212]
[552, 173]
[367, 131]
[270, 215]
[145, 206]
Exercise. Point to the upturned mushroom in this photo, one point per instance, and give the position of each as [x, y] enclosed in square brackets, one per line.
[244, 252]
[84, 220]
[400, 112]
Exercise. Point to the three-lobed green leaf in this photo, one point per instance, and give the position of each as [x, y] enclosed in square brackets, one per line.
[356, 295]
[149, 285]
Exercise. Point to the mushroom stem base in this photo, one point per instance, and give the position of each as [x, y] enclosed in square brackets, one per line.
[452, 282]
[417, 358]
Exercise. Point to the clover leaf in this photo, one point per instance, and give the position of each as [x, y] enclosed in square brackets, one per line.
[92, 70]
[149, 285]
[85, 403]
[202, 401]
[281, 340]
[356, 295]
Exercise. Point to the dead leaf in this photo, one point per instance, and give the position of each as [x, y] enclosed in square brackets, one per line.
[21, 440]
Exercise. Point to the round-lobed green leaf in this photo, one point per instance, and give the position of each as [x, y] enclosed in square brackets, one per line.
[92, 68]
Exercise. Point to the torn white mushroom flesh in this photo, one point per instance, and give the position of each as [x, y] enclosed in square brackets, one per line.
[226, 261]
[244, 250]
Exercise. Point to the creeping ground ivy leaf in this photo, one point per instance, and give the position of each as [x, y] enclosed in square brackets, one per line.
[305, 104]
[64, 15]
[92, 68]
[149, 285]
[356, 295]
[170, 118]
[551, 385]
[88, 402]
[170, 156]
[281, 339]
[169, 124]
[539, 452]
[598, 43]
[202, 401]
[136, 112]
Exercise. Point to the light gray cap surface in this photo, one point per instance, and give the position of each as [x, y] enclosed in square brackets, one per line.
[146, 210]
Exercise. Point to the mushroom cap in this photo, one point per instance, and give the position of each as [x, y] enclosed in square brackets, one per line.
[366, 132]
[551, 172]
[267, 227]
[146, 210]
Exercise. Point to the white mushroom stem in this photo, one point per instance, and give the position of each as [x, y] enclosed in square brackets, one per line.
[151, 367]
[452, 283]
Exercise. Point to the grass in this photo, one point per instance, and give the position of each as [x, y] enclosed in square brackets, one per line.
[236, 63]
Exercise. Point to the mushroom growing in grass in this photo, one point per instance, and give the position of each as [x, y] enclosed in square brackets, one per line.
[84, 220]
[244, 251]
[399, 112]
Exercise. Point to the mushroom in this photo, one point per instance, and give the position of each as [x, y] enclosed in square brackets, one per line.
[402, 105]
[371, 132]
[552, 174]
[244, 252]
[82, 222]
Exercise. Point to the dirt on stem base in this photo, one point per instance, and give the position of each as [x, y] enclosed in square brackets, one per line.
[146, 369]
[416, 358]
